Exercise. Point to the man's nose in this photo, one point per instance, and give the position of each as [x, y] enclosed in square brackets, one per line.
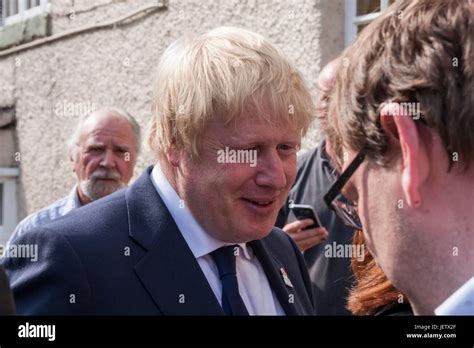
[271, 172]
[108, 159]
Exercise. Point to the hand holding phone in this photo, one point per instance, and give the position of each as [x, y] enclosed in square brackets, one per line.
[309, 236]
[303, 211]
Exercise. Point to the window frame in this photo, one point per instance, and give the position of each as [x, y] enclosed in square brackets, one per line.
[8, 177]
[352, 21]
[24, 13]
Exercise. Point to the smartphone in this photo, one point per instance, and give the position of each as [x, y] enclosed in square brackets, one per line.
[303, 211]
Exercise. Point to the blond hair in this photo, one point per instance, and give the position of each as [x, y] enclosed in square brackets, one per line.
[220, 76]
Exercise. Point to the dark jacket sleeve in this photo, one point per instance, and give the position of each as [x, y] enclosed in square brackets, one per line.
[53, 282]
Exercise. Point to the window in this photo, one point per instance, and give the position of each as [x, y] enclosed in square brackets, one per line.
[14, 11]
[359, 13]
[8, 202]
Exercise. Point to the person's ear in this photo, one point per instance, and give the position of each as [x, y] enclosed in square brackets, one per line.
[71, 158]
[173, 156]
[401, 128]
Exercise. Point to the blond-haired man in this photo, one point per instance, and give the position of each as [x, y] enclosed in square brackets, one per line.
[193, 235]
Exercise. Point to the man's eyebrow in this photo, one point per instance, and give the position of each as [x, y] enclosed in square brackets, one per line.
[122, 147]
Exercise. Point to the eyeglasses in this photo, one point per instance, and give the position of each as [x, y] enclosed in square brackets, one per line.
[342, 206]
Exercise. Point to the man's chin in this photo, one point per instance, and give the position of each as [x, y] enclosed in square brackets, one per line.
[254, 232]
[105, 189]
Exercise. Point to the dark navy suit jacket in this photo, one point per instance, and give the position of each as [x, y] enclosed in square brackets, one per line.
[124, 255]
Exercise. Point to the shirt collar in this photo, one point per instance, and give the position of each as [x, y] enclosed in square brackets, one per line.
[325, 159]
[199, 241]
[72, 201]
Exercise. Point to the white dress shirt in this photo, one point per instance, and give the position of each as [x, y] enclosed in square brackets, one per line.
[461, 302]
[253, 283]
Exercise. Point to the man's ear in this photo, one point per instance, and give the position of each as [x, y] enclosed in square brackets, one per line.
[71, 158]
[401, 128]
[173, 156]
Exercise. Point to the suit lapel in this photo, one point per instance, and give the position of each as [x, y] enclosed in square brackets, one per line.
[272, 268]
[169, 270]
